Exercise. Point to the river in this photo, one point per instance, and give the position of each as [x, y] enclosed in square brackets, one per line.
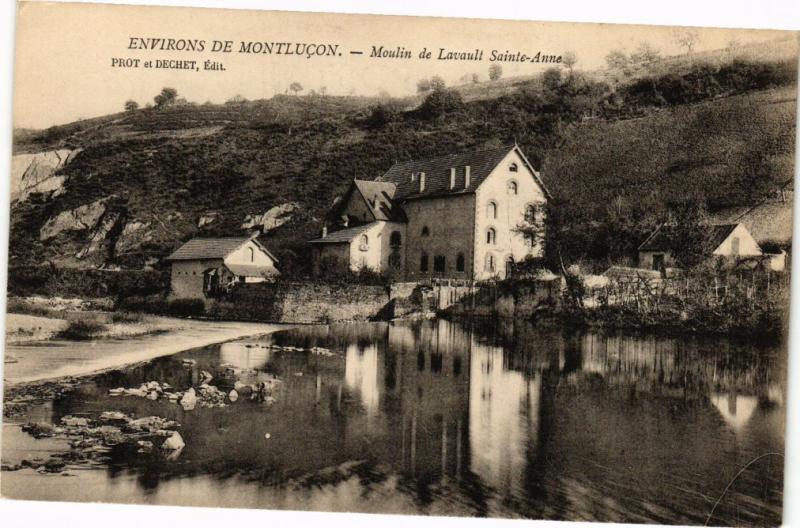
[445, 418]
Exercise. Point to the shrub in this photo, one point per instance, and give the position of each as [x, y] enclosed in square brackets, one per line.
[80, 330]
[186, 307]
[439, 103]
[127, 317]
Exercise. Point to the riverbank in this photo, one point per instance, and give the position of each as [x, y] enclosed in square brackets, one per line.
[59, 358]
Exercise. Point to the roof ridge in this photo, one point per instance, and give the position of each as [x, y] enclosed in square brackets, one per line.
[460, 153]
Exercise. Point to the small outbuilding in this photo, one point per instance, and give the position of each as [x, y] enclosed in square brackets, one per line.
[729, 240]
[204, 267]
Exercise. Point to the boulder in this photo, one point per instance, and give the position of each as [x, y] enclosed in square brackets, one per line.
[36, 172]
[189, 400]
[174, 442]
[134, 234]
[79, 219]
[208, 218]
[74, 421]
[100, 234]
[272, 218]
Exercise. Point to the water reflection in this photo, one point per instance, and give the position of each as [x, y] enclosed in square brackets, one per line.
[486, 419]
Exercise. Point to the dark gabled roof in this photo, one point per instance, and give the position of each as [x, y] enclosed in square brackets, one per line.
[379, 197]
[769, 221]
[213, 248]
[667, 236]
[437, 173]
[343, 235]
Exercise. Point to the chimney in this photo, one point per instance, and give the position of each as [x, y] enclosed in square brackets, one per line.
[466, 177]
[324, 231]
[421, 182]
[452, 177]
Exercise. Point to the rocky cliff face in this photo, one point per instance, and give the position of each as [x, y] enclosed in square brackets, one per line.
[37, 172]
[273, 218]
[105, 227]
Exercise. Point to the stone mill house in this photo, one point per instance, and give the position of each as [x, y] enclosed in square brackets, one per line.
[455, 216]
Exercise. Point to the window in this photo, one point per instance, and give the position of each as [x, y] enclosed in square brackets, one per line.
[460, 262]
[509, 265]
[252, 254]
[363, 243]
[530, 213]
[395, 239]
[394, 260]
[735, 242]
[423, 262]
[512, 187]
[658, 262]
[491, 210]
[489, 263]
[439, 264]
[491, 236]
[528, 240]
[425, 231]
[512, 167]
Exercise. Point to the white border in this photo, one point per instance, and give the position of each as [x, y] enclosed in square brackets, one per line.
[771, 14]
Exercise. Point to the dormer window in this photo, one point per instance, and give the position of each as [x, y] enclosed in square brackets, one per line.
[512, 167]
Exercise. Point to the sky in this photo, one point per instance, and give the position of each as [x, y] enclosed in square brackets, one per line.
[64, 52]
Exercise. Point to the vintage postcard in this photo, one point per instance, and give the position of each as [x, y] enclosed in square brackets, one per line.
[408, 265]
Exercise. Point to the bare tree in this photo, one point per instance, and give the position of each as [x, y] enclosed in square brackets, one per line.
[687, 39]
[734, 48]
[645, 53]
[495, 72]
[236, 100]
[423, 85]
[437, 83]
[617, 59]
[570, 59]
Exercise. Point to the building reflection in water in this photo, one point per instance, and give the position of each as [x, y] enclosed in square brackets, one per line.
[244, 355]
[503, 417]
[361, 375]
[503, 410]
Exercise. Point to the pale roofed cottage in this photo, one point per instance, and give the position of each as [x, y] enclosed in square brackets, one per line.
[730, 241]
[769, 221]
[453, 216]
[206, 266]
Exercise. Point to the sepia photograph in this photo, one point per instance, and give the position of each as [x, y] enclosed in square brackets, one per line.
[407, 265]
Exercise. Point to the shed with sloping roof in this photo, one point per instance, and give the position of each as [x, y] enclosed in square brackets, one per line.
[203, 267]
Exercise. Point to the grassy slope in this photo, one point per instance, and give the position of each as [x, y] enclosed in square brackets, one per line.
[693, 150]
[173, 165]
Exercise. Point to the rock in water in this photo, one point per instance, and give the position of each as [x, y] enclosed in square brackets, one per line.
[233, 395]
[189, 400]
[174, 442]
